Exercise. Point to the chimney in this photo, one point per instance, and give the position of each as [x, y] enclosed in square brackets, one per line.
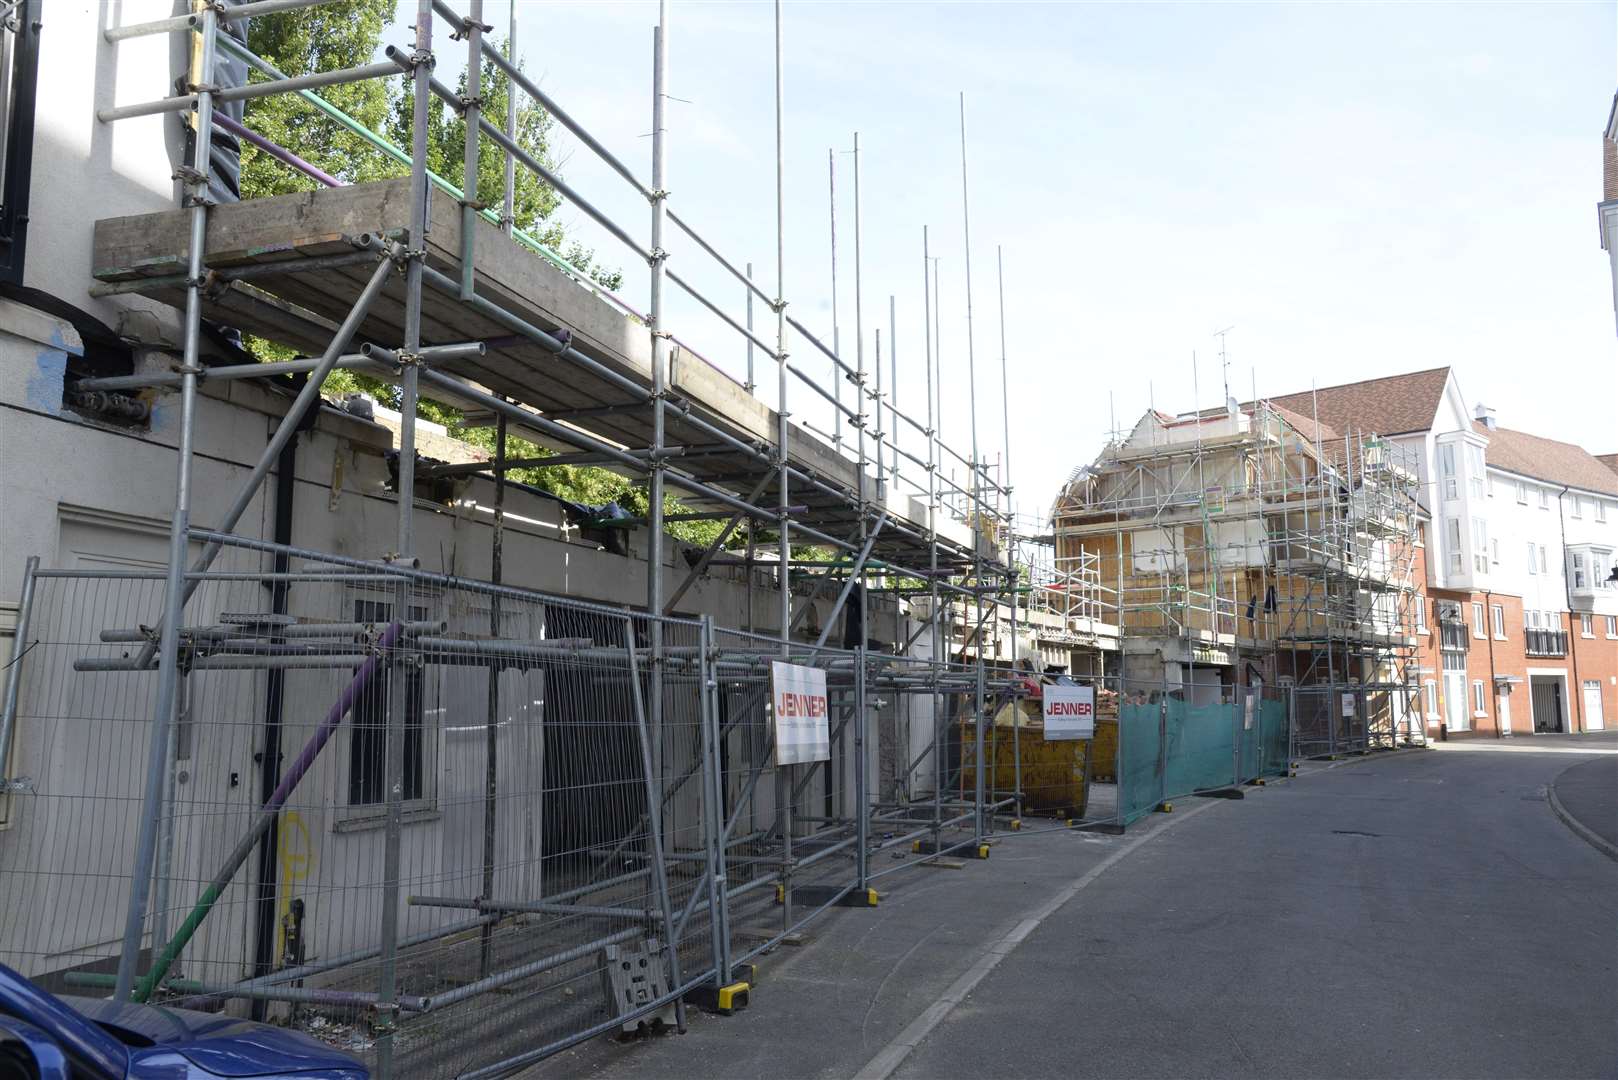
[1486, 416]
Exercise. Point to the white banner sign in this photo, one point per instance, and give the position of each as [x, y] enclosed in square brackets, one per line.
[1070, 712]
[802, 727]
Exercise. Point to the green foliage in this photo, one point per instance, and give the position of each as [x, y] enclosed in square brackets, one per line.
[298, 43]
[349, 34]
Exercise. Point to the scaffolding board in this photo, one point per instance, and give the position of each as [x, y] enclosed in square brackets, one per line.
[297, 290]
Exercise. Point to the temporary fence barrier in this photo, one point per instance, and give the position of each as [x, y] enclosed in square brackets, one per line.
[584, 836]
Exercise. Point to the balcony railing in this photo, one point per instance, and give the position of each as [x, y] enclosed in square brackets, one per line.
[1546, 642]
[1454, 636]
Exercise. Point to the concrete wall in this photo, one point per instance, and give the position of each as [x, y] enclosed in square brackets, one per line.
[83, 494]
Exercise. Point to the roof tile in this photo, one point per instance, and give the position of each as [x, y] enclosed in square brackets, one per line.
[1393, 405]
[1548, 460]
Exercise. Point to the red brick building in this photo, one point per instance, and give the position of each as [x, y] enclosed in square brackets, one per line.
[1517, 621]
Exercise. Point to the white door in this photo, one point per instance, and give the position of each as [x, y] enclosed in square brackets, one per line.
[1456, 717]
[1503, 704]
[1594, 719]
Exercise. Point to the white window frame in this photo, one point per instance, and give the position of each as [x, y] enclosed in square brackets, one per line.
[1578, 569]
[1612, 627]
[1497, 614]
[1453, 535]
[1522, 492]
[1478, 623]
[1446, 469]
[1480, 707]
[1429, 697]
[1601, 509]
[1533, 562]
[1587, 626]
[1577, 507]
[1475, 470]
[1421, 612]
[1544, 498]
[1543, 562]
[1480, 545]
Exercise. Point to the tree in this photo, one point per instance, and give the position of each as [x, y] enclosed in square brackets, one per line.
[349, 34]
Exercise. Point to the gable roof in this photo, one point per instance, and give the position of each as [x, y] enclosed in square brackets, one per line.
[1609, 460]
[1548, 460]
[1393, 405]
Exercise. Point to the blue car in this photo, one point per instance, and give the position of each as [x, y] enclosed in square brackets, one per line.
[46, 1037]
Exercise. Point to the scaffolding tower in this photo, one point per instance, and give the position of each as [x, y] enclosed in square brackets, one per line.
[1253, 541]
[417, 282]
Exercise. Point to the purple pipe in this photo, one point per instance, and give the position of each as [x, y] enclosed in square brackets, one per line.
[279, 153]
[345, 702]
[163, 960]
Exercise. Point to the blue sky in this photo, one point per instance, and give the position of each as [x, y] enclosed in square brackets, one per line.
[1357, 189]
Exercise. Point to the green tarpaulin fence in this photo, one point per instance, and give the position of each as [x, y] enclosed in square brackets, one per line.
[1171, 749]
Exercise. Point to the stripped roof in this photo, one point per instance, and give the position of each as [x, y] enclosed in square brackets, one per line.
[1547, 460]
[1305, 424]
[1393, 405]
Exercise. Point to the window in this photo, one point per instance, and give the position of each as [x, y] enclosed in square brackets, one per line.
[1612, 626]
[1454, 530]
[1578, 570]
[1498, 612]
[1533, 563]
[1494, 552]
[1421, 611]
[1446, 469]
[1575, 506]
[1542, 562]
[1587, 626]
[1530, 619]
[1480, 545]
[1475, 470]
[1477, 620]
[367, 758]
[1479, 704]
[1601, 510]
[1522, 492]
[1429, 696]
[1544, 498]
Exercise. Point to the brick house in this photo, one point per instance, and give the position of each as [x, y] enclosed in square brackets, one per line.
[1517, 622]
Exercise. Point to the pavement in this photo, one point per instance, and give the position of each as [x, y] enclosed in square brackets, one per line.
[1584, 743]
[1407, 914]
[1587, 794]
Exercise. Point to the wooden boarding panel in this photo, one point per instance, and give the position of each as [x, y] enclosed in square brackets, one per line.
[291, 306]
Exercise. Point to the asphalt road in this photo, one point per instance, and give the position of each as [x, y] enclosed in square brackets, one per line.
[1414, 915]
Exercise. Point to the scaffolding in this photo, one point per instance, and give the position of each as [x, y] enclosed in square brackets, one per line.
[1254, 542]
[416, 282]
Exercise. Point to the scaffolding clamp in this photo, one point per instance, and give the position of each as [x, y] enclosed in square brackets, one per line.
[655, 256]
[17, 785]
[466, 25]
[402, 360]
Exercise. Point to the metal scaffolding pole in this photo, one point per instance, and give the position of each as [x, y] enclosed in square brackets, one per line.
[196, 189]
[784, 780]
[398, 696]
[836, 331]
[508, 216]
